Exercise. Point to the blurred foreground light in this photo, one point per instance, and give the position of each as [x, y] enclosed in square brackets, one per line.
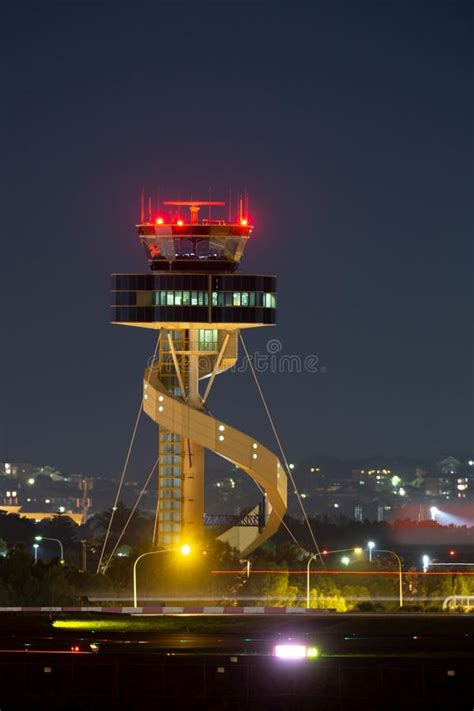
[433, 511]
[312, 652]
[290, 651]
[185, 550]
[345, 560]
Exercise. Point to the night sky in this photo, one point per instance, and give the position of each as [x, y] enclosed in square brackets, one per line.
[350, 124]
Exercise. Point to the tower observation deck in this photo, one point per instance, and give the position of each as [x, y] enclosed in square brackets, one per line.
[198, 301]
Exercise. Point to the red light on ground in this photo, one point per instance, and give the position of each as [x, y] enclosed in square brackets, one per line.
[452, 552]
[180, 222]
[244, 222]
[75, 649]
[159, 220]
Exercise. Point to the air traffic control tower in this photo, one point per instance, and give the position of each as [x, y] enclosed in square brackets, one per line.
[197, 300]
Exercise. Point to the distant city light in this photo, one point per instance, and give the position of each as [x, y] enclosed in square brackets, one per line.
[336, 506]
[395, 480]
[180, 222]
[31, 480]
[426, 562]
[433, 512]
[159, 220]
[402, 491]
[291, 466]
[345, 560]
[358, 550]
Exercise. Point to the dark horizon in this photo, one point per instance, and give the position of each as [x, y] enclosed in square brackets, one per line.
[351, 128]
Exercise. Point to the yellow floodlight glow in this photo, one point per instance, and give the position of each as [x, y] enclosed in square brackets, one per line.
[358, 550]
[185, 550]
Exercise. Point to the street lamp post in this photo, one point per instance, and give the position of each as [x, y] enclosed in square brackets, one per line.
[400, 576]
[45, 538]
[370, 546]
[310, 559]
[35, 549]
[185, 550]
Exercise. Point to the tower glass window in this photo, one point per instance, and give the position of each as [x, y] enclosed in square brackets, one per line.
[207, 339]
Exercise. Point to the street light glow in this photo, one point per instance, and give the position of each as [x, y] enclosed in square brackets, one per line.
[370, 545]
[345, 560]
[185, 550]
[358, 550]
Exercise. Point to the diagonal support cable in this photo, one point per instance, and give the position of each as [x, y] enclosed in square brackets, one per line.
[270, 418]
[124, 469]
[143, 489]
[283, 522]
